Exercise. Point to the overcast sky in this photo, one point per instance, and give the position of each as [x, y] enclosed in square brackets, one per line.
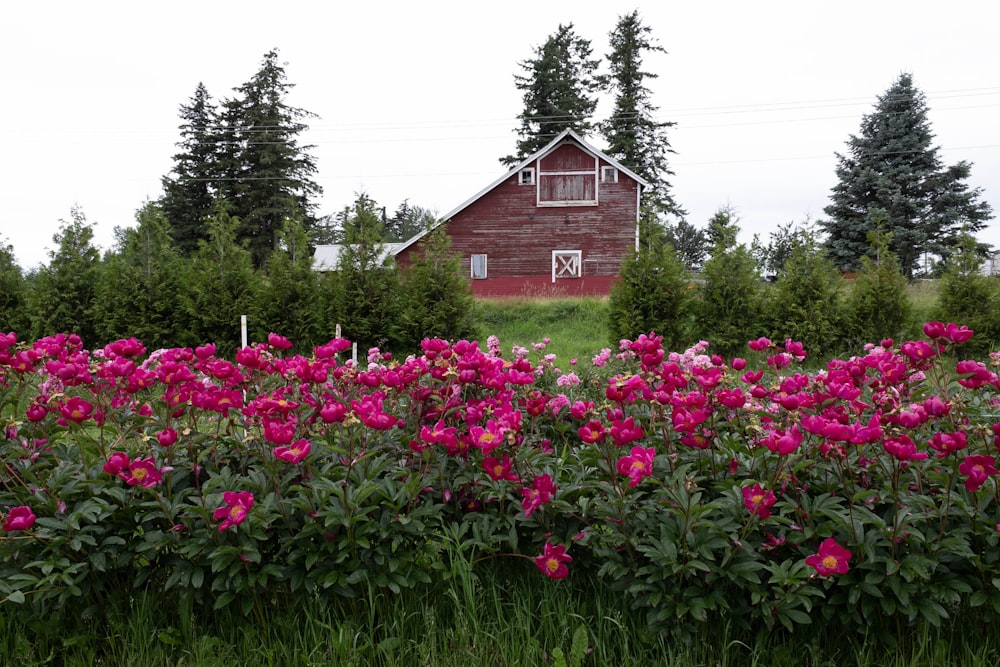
[416, 100]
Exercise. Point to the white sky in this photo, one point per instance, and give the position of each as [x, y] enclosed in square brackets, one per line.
[416, 100]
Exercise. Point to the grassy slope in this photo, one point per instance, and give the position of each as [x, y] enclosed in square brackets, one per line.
[578, 327]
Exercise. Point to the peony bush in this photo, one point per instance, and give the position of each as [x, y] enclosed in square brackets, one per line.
[700, 488]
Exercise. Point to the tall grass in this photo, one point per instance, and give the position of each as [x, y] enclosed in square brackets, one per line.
[577, 327]
[494, 614]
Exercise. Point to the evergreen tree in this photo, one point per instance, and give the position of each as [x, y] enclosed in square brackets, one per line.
[653, 295]
[264, 173]
[140, 289]
[635, 138]
[436, 296]
[877, 304]
[289, 298]
[559, 87]
[892, 172]
[723, 228]
[13, 294]
[220, 286]
[62, 300]
[970, 298]
[805, 303]
[365, 296]
[189, 193]
[731, 300]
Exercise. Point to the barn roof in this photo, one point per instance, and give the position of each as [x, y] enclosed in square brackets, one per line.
[327, 257]
[567, 133]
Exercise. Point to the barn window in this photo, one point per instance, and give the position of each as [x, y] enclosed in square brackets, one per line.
[609, 175]
[566, 264]
[478, 263]
[526, 176]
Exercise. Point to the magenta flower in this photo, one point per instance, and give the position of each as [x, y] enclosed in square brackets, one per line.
[977, 468]
[540, 493]
[142, 472]
[238, 505]
[552, 561]
[638, 465]
[19, 518]
[166, 437]
[957, 334]
[625, 431]
[592, 432]
[499, 469]
[758, 501]
[294, 453]
[831, 558]
[946, 443]
[76, 410]
[760, 344]
[278, 342]
[903, 448]
[116, 463]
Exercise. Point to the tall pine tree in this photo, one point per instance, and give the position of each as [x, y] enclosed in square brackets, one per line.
[266, 176]
[559, 88]
[635, 138]
[892, 173]
[189, 190]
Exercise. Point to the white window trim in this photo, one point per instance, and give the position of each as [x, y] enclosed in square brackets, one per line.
[578, 261]
[526, 176]
[609, 174]
[472, 266]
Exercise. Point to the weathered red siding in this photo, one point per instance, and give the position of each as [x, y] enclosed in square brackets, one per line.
[518, 236]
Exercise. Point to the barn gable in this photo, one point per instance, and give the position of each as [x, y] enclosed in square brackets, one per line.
[558, 223]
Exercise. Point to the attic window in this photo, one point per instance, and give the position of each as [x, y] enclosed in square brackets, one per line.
[526, 176]
[609, 175]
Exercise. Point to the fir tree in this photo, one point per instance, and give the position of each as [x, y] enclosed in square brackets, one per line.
[559, 87]
[265, 175]
[189, 191]
[892, 172]
[635, 138]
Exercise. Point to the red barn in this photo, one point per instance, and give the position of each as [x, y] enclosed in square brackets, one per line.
[558, 224]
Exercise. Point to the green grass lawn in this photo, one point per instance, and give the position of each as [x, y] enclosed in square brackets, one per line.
[577, 328]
